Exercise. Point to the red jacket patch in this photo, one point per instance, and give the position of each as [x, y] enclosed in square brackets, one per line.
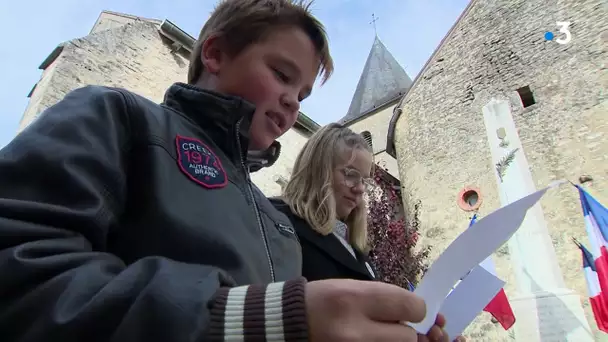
[200, 163]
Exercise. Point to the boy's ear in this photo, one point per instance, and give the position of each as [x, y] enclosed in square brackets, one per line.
[212, 54]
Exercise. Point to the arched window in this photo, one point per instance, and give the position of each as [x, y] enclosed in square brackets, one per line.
[368, 137]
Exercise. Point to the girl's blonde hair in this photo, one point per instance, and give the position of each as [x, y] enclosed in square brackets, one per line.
[309, 192]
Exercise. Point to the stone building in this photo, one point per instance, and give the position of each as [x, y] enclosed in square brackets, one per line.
[495, 86]
[439, 136]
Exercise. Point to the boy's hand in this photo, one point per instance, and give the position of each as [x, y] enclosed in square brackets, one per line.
[350, 310]
[437, 334]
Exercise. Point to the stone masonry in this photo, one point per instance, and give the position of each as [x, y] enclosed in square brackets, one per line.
[496, 48]
[132, 56]
[269, 179]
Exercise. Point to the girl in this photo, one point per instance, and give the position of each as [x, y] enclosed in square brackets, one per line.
[324, 201]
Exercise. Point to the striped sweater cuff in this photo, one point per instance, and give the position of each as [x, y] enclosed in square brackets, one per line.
[272, 313]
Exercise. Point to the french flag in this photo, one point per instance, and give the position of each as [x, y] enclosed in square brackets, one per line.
[499, 306]
[596, 223]
[596, 298]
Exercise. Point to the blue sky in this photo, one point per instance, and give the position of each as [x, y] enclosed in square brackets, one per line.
[410, 29]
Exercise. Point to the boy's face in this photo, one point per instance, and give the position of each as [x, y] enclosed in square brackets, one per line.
[275, 74]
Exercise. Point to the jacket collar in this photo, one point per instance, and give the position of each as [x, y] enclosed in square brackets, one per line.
[260, 159]
[225, 119]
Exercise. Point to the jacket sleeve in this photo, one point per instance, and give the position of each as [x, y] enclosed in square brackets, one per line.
[63, 188]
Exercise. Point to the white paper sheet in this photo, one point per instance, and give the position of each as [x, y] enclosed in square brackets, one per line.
[468, 299]
[468, 250]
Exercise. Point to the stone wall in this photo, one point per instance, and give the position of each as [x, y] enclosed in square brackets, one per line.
[269, 179]
[132, 56]
[109, 20]
[135, 57]
[41, 97]
[441, 142]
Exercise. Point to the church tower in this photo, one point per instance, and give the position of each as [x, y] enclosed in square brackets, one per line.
[382, 83]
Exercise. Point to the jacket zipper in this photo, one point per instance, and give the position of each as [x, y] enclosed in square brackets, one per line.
[255, 205]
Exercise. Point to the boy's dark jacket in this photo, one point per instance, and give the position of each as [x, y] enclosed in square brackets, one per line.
[324, 256]
[120, 219]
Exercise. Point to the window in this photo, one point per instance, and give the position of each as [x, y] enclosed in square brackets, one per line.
[368, 137]
[526, 96]
[469, 199]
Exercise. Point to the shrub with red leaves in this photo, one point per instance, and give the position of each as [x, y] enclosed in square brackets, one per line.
[393, 238]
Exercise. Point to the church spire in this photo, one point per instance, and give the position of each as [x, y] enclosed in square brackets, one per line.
[381, 81]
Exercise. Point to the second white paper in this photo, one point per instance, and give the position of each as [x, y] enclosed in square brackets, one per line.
[468, 299]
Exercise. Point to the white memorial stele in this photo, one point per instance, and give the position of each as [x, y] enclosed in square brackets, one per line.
[544, 308]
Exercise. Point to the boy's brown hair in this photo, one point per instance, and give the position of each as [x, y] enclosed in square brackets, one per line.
[245, 22]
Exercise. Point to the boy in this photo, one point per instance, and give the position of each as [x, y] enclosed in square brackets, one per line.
[124, 220]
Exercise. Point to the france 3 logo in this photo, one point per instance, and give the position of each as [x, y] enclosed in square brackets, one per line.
[564, 36]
